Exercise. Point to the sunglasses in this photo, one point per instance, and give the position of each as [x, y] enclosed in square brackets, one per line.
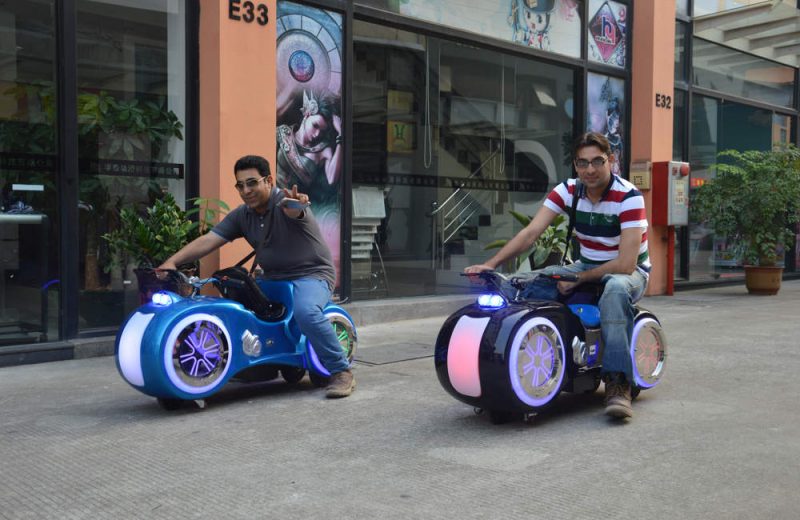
[249, 183]
[597, 162]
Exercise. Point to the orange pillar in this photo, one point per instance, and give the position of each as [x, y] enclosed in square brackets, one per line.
[651, 123]
[237, 100]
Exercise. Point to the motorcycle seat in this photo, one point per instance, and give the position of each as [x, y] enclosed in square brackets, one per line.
[235, 283]
[588, 314]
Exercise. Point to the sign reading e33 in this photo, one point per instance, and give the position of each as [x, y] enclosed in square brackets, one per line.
[248, 11]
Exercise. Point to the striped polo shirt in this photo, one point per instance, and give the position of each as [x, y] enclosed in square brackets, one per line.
[598, 226]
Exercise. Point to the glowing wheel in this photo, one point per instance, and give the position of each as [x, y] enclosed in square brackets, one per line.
[536, 362]
[197, 356]
[648, 352]
[345, 332]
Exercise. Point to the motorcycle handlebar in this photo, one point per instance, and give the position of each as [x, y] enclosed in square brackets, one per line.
[497, 278]
[180, 277]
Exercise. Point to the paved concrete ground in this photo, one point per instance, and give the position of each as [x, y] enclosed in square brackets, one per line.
[717, 439]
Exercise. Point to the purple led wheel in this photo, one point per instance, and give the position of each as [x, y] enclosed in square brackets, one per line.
[199, 357]
[536, 362]
[346, 336]
[200, 350]
[648, 352]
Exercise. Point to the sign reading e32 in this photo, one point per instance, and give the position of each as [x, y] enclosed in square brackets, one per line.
[248, 11]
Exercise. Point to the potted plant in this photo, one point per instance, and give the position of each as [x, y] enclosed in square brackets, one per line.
[754, 199]
[147, 239]
[548, 248]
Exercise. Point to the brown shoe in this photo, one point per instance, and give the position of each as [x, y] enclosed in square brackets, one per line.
[618, 397]
[341, 384]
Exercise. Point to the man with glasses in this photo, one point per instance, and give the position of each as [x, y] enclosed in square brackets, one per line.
[611, 227]
[289, 246]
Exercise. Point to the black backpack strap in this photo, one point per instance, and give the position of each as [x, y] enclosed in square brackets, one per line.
[245, 259]
[576, 194]
[253, 252]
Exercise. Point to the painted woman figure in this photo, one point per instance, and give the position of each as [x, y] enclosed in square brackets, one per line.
[310, 153]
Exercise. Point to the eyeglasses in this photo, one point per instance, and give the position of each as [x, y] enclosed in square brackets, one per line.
[249, 183]
[597, 162]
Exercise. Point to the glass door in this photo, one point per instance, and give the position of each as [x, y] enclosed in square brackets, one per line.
[131, 114]
[29, 240]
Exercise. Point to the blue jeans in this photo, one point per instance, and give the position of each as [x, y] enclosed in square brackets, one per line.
[311, 295]
[621, 291]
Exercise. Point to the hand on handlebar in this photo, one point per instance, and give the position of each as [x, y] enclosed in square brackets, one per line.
[478, 268]
[566, 282]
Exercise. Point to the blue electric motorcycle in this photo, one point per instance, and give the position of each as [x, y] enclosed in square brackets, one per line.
[182, 346]
[511, 357]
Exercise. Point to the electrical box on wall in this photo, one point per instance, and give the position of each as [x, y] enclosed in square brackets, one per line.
[670, 193]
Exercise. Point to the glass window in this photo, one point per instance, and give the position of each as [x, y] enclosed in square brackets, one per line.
[703, 7]
[726, 70]
[550, 25]
[680, 51]
[131, 113]
[605, 113]
[448, 138]
[718, 126]
[679, 126]
[29, 238]
[781, 129]
[682, 7]
[606, 32]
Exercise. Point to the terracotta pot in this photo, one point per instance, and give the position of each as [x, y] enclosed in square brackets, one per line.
[762, 280]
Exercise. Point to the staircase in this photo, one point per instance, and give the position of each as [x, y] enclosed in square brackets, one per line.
[464, 223]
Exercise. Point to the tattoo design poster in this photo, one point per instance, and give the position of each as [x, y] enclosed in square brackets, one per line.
[606, 32]
[605, 107]
[310, 147]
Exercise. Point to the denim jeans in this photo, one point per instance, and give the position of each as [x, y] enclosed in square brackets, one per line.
[310, 297]
[621, 291]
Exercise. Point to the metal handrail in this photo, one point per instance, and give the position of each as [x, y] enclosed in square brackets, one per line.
[461, 186]
[468, 207]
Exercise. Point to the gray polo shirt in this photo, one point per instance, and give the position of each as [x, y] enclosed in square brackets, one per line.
[286, 248]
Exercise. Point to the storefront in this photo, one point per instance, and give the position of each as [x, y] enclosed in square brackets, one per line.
[735, 88]
[434, 121]
[95, 115]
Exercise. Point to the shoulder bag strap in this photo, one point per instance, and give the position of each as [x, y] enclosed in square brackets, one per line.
[576, 194]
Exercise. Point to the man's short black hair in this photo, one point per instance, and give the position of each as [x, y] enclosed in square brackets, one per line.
[252, 161]
[592, 139]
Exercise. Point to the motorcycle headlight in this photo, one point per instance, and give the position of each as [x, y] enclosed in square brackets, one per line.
[491, 301]
[162, 299]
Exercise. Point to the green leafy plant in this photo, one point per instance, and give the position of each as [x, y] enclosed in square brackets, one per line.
[754, 198]
[552, 240]
[130, 129]
[150, 238]
[208, 210]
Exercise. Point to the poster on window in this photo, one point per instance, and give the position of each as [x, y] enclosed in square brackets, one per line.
[606, 32]
[605, 113]
[549, 25]
[309, 109]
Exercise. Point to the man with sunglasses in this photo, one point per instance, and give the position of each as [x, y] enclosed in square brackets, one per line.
[611, 227]
[289, 246]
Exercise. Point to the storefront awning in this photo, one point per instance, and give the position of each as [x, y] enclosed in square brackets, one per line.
[769, 29]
